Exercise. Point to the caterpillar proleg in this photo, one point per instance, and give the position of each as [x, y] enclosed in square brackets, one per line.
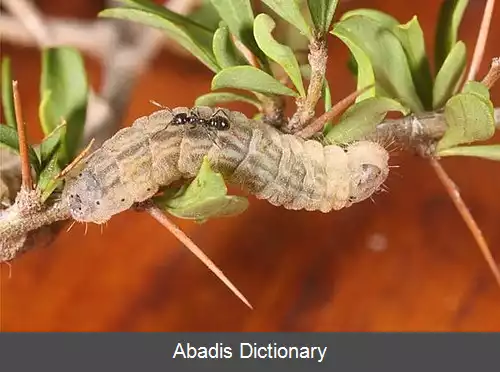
[283, 169]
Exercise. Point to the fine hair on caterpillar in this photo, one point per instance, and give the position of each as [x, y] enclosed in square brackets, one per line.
[281, 168]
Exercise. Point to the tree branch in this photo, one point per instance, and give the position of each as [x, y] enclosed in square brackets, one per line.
[318, 57]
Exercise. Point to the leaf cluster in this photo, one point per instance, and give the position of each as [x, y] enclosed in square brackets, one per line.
[246, 53]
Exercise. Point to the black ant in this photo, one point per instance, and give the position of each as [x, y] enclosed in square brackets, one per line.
[214, 122]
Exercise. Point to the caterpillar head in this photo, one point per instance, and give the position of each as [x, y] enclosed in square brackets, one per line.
[369, 168]
[87, 200]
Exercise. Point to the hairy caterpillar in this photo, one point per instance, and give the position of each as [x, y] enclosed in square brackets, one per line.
[281, 168]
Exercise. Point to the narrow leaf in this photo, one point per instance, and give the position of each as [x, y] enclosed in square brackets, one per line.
[364, 68]
[206, 15]
[150, 7]
[50, 144]
[412, 39]
[7, 96]
[289, 10]
[469, 118]
[449, 76]
[387, 57]
[214, 98]
[225, 52]
[491, 152]
[380, 17]
[327, 98]
[10, 140]
[252, 79]
[322, 12]
[64, 76]
[282, 54]
[362, 118]
[239, 17]
[47, 182]
[198, 44]
[450, 17]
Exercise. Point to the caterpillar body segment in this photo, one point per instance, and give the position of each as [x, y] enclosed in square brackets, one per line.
[281, 168]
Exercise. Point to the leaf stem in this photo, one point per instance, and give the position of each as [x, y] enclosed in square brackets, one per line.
[454, 194]
[27, 181]
[162, 218]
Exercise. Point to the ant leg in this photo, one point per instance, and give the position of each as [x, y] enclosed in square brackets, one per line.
[212, 135]
[194, 112]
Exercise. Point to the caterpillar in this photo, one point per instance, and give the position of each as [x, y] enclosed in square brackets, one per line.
[281, 168]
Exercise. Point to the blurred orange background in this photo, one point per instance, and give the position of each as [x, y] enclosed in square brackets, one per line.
[406, 262]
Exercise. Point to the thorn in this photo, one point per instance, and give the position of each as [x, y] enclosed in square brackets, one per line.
[71, 226]
[462, 208]
[75, 161]
[484, 29]
[161, 217]
[27, 181]
[9, 265]
[318, 124]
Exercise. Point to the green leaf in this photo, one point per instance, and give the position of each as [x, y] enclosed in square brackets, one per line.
[449, 76]
[289, 10]
[282, 54]
[205, 197]
[64, 76]
[252, 79]
[239, 17]
[47, 182]
[7, 94]
[450, 17]
[322, 12]
[362, 118]
[412, 39]
[225, 52]
[491, 152]
[387, 57]
[380, 17]
[327, 97]
[206, 15]
[214, 98]
[150, 7]
[10, 140]
[50, 144]
[196, 40]
[477, 88]
[469, 118]
[366, 76]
